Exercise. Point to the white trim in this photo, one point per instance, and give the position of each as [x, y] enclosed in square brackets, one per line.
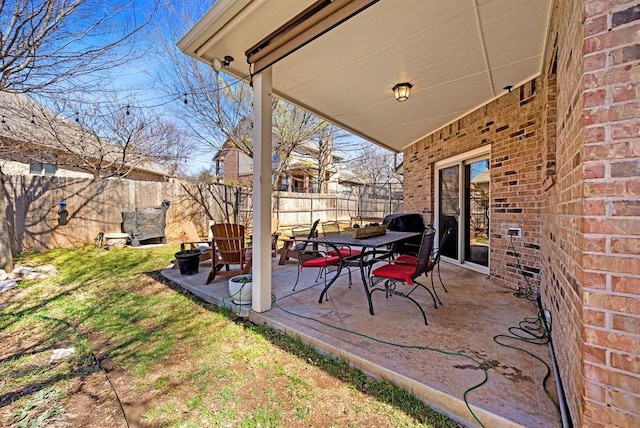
[460, 160]
[480, 151]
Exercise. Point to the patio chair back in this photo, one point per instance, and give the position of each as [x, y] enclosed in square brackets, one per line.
[424, 253]
[229, 242]
[330, 228]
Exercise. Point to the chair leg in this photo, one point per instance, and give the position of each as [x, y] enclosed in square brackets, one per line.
[445, 288]
[297, 278]
[434, 290]
[391, 291]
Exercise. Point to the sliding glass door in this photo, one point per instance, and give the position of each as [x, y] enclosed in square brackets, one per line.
[462, 200]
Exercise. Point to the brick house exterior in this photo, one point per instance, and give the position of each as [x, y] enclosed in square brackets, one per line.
[565, 167]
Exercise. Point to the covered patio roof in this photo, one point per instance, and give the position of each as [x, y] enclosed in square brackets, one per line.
[457, 54]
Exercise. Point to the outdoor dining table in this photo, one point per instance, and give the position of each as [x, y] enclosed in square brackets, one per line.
[374, 248]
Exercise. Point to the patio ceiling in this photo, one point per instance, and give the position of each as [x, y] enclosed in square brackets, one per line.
[457, 54]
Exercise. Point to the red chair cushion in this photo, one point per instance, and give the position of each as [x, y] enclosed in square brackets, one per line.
[395, 271]
[322, 262]
[345, 252]
[406, 258]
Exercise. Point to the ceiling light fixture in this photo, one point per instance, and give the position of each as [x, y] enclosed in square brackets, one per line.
[402, 90]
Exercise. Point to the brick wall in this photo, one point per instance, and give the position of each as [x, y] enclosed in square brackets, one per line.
[565, 166]
[611, 206]
[562, 239]
[512, 125]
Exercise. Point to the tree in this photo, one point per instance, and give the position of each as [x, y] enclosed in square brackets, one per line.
[53, 46]
[219, 108]
[375, 167]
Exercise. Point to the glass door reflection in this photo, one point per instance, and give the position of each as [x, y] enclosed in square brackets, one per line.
[477, 212]
[449, 209]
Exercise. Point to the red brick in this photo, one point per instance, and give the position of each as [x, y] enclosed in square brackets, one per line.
[606, 376]
[609, 302]
[630, 168]
[608, 417]
[595, 244]
[626, 246]
[625, 284]
[595, 25]
[595, 62]
[595, 355]
[618, 150]
[626, 362]
[594, 319]
[626, 54]
[594, 392]
[593, 170]
[627, 324]
[625, 402]
[595, 98]
[626, 208]
[597, 207]
[594, 280]
[626, 265]
[610, 340]
[625, 131]
[593, 134]
[626, 92]
[595, 189]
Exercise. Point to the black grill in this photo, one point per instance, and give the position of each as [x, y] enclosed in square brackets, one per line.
[146, 224]
[406, 223]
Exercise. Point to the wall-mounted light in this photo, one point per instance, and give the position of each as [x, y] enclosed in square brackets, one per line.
[402, 91]
[217, 64]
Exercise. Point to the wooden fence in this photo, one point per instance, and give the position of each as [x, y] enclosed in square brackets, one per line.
[96, 206]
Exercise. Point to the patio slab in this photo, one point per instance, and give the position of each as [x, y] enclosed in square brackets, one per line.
[440, 362]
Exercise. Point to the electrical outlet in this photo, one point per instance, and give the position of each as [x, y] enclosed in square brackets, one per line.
[515, 232]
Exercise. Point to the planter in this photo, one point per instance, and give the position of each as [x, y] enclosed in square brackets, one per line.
[188, 261]
[368, 231]
[240, 289]
[116, 240]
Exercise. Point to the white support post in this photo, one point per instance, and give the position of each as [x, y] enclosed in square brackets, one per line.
[262, 149]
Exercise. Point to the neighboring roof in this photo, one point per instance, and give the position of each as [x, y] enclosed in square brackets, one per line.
[346, 176]
[23, 119]
[457, 54]
[482, 177]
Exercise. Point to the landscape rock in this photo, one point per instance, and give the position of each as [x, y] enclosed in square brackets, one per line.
[3, 275]
[48, 270]
[7, 285]
[59, 354]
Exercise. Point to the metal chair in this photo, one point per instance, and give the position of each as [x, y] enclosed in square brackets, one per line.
[291, 245]
[314, 258]
[434, 263]
[333, 228]
[397, 272]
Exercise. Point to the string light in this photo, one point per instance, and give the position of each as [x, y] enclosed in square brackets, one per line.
[143, 104]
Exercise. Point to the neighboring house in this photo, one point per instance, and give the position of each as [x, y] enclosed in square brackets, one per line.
[36, 141]
[233, 166]
[346, 182]
[561, 142]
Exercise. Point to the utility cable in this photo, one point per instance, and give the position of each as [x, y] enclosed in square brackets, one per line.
[398, 345]
[75, 329]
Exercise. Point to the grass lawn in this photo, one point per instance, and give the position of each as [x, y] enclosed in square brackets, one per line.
[145, 348]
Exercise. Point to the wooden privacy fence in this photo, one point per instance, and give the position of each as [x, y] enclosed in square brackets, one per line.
[96, 206]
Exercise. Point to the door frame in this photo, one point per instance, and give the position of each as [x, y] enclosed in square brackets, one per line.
[461, 160]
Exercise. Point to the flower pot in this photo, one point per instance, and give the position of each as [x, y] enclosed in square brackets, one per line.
[116, 240]
[188, 261]
[240, 289]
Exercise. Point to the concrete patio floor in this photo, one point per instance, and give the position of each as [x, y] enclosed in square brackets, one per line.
[396, 345]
